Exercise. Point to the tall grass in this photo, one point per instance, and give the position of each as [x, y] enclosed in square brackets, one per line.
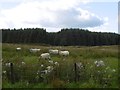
[63, 75]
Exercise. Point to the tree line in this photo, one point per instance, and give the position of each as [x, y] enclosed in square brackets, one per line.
[65, 37]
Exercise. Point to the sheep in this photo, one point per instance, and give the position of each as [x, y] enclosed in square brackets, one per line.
[18, 49]
[51, 51]
[34, 50]
[64, 53]
[45, 56]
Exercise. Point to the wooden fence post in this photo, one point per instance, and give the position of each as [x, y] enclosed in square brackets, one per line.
[11, 73]
[75, 69]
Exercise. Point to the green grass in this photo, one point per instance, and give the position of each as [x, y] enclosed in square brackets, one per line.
[64, 74]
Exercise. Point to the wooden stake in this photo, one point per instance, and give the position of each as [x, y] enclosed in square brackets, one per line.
[75, 69]
[11, 73]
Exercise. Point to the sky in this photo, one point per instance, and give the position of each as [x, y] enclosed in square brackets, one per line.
[53, 15]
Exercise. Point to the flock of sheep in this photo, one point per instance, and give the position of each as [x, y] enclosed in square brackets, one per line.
[47, 54]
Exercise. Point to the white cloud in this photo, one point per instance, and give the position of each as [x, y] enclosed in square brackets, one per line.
[49, 14]
[106, 27]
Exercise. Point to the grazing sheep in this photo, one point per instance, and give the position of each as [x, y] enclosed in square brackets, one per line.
[64, 53]
[18, 49]
[45, 56]
[51, 51]
[34, 50]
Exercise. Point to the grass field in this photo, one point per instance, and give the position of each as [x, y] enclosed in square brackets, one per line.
[27, 67]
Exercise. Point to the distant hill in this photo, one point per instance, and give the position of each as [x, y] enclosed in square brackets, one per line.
[65, 37]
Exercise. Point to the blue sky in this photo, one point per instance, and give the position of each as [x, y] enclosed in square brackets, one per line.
[105, 9]
[94, 15]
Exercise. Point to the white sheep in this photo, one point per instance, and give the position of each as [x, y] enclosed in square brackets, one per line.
[64, 53]
[51, 51]
[45, 56]
[34, 50]
[18, 49]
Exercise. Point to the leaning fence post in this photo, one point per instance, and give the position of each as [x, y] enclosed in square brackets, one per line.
[75, 68]
[11, 73]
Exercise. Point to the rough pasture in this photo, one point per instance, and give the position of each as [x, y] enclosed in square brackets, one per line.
[30, 72]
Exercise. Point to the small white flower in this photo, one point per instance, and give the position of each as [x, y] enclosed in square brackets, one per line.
[46, 71]
[80, 65]
[7, 64]
[42, 75]
[96, 62]
[27, 83]
[23, 63]
[114, 70]
[4, 72]
[49, 71]
[38, 72]
[50, 62]
[98, 71]
[99, 63]
[1, 60]
[56, 63]
[50, 68]
[107, 68]
[105, 71]
[42, 65]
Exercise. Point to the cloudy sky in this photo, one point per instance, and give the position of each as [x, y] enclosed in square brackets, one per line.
[94, 15]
